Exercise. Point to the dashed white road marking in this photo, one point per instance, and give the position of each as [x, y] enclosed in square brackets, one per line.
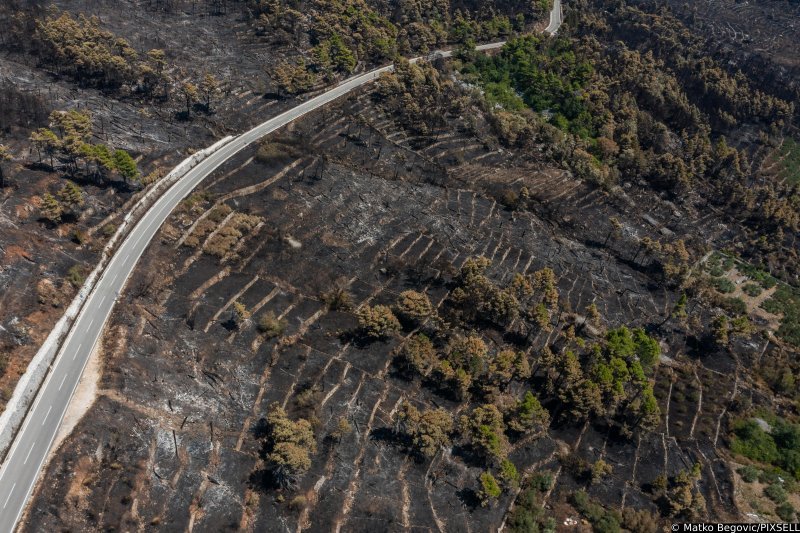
[47, 414]
[163, 206]
[9, 495]
[29, 454]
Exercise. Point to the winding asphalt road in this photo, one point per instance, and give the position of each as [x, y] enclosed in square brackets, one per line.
[28, 453]
[555, 18]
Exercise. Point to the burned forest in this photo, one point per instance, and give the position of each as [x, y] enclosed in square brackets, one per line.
[552, 284]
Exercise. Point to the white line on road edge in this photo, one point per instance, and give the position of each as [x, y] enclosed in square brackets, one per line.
[39, 368]
[53, 346]
[179, 182]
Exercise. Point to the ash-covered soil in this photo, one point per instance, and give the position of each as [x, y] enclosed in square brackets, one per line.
[768, 28]
[760, 38]
[36, 256]
[172, 441]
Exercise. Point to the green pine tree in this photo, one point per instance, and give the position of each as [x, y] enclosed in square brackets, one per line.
[71, 195]
[125, 165]
[51, 209]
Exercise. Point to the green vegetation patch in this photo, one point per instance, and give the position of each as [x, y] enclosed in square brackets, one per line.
[541, 73]
[786, 301]
[728, 263]
[601, 518]
[714, 260]
[344, 33]
[778, 447]
[528, 514]
[76, 276]
[716, 271]
[785, 511]
[790, 161]
[69, 141]
[734, 306]
[749, 473]
[81, 49]
[752, 290]
[724, 285]
[776, 493]
[765, 279]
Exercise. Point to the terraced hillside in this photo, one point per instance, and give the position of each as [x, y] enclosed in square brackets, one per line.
[549, 288]
[348, 201]
[177, 43]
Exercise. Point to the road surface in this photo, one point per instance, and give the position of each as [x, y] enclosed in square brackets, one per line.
[28, 453]
[555, 18]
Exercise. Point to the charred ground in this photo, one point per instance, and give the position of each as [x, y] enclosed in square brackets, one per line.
[139, 72]
[265, 369]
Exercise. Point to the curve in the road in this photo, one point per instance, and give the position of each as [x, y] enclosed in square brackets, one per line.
[31, 446]
[555, 18]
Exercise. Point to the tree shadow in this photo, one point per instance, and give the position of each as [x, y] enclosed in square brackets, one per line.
[40, 166]
[387, 435]
[273, 96]
[698, 347]
[260, 429]
[400, 371]
[358, 339]
[469, 499]
[231, 324]
[470, 457]
[49, 224]
[517, 338]
[263, 480]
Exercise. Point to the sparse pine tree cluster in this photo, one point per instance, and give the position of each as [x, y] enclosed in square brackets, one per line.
[68, 141]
